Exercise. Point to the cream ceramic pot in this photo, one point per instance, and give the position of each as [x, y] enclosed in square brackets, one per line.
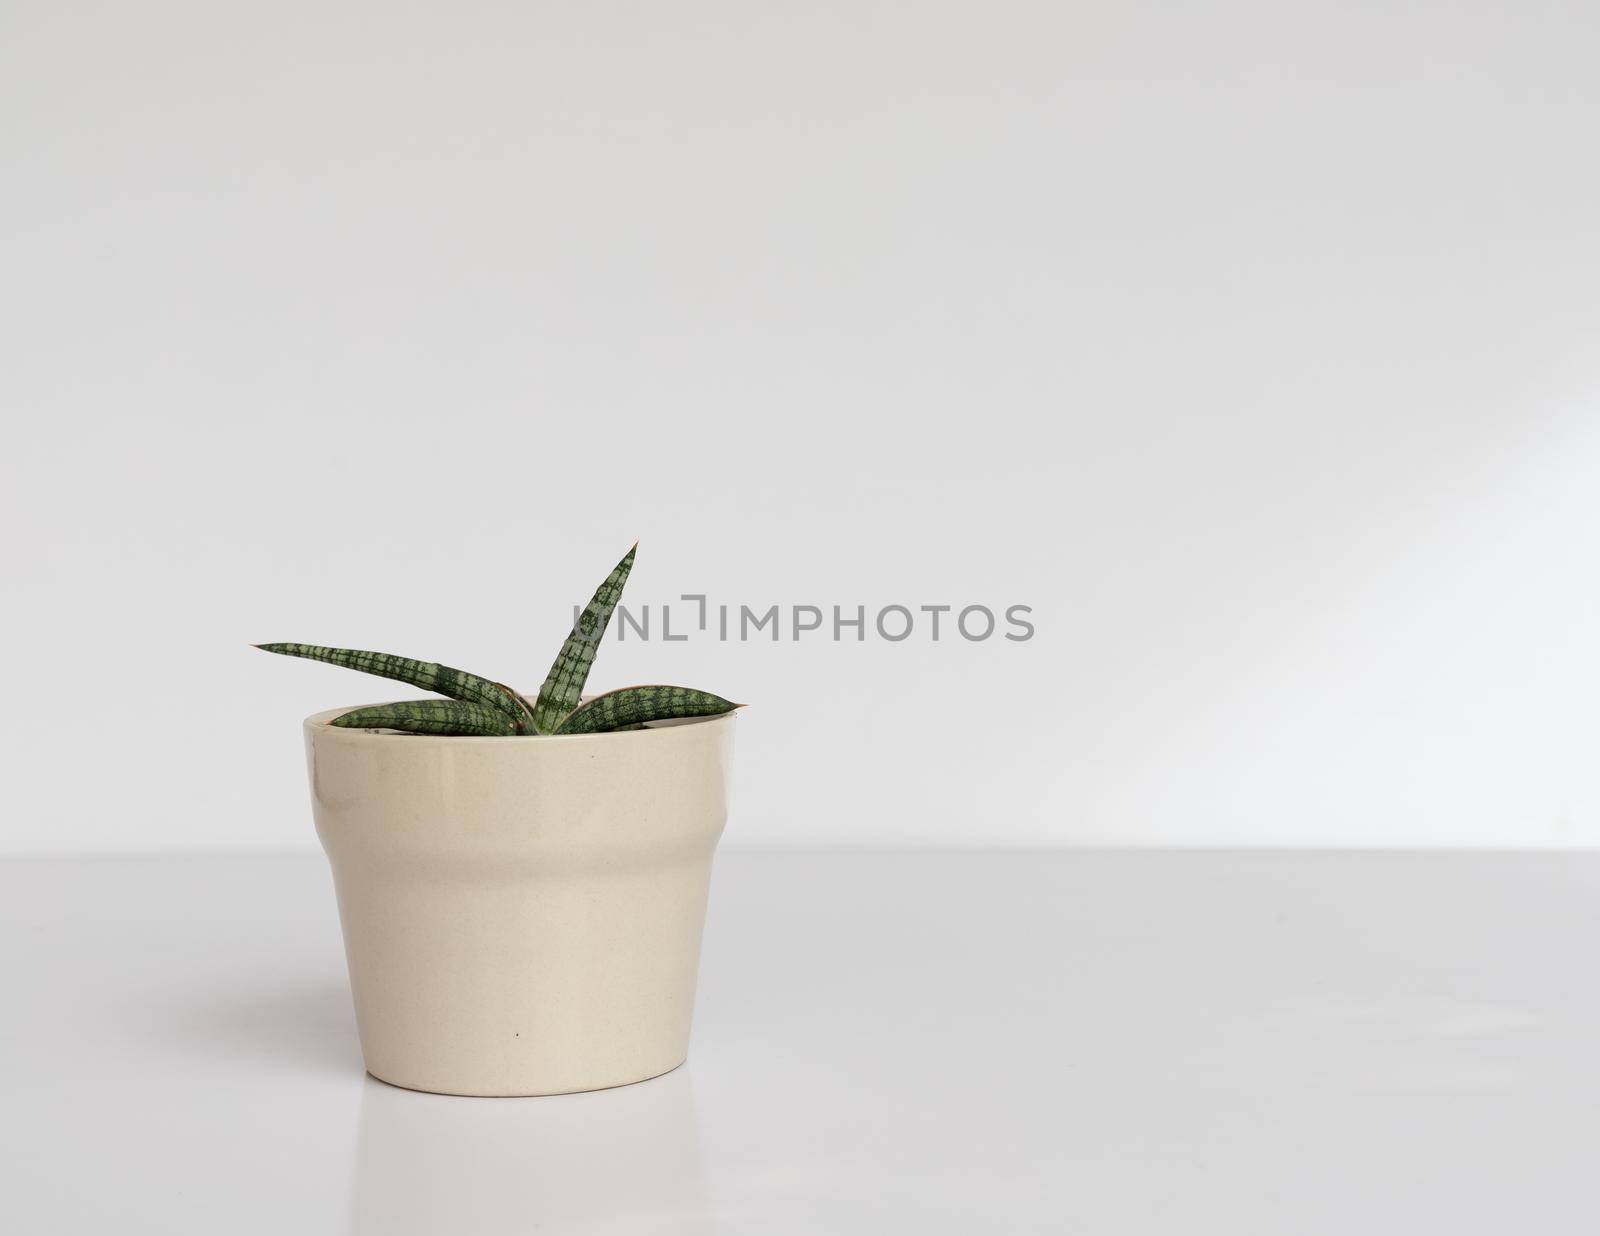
[521, 915]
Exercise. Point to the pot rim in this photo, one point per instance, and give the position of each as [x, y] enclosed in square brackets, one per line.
[317, 724]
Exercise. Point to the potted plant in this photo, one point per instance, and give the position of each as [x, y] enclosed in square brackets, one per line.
[521, 883]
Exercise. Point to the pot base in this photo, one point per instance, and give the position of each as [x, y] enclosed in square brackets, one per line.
[526, 1094]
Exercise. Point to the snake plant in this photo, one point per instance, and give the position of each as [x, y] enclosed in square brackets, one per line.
[480, 706]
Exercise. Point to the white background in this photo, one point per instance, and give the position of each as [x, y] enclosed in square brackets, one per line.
[1253, 345]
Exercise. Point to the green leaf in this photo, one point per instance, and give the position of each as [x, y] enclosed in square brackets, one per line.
[428, 717]
[632, 706]
[429, 675]
[563, 686]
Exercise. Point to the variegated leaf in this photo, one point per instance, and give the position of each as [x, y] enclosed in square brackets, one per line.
[428, 717]
[563, 686]
[429, 675]
[632, 706]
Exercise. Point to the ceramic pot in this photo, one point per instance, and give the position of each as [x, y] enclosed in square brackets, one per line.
[521, 915]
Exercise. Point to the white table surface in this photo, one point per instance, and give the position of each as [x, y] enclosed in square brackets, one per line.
[1091, 1042]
